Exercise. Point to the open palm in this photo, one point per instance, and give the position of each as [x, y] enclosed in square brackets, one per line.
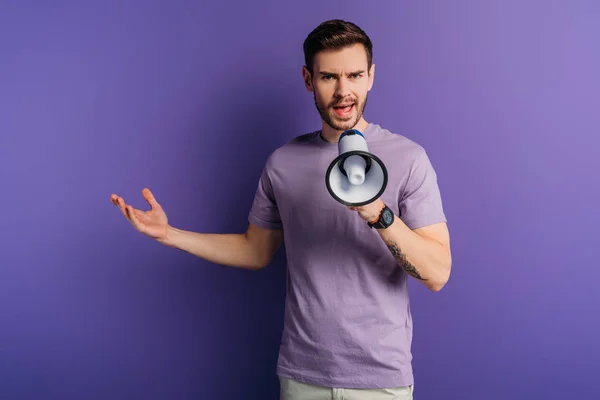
[153, 222]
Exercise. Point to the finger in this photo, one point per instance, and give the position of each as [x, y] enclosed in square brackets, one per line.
[123, 207]
[150, 198]
[140, 215]
[136, 223]
[119, 202]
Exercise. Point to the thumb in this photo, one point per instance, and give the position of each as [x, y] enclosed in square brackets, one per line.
[150, 198]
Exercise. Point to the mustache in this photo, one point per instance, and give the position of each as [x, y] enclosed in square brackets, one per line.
[343, 101]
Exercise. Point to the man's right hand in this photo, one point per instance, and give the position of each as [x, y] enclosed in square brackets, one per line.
[153, 222]
[252, 249]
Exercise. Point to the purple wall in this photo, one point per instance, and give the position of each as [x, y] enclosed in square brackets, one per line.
[189, 100]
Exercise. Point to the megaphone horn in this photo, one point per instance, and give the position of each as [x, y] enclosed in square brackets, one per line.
[355, 177]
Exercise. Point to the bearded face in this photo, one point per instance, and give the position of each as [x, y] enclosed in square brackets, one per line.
[340, 84]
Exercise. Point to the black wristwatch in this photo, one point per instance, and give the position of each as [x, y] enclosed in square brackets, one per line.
[386, 218]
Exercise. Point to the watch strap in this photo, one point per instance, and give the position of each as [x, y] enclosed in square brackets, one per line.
[378, 223]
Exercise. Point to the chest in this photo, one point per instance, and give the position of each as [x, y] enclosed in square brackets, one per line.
[303, 199]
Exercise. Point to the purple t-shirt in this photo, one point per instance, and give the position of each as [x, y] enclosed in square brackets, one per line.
[347, 314]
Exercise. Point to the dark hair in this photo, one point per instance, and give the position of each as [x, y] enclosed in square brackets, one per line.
[335, 34]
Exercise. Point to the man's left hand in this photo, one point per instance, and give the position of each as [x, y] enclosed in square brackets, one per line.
[369, 212]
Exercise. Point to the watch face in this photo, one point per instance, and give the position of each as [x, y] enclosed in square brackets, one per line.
[387, 217]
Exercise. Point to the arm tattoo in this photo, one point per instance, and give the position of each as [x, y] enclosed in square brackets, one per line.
[401, 259]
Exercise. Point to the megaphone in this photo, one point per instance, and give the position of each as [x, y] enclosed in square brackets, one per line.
[355, 177]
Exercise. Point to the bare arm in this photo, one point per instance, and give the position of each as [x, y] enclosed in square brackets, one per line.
[424, 253]
[253, 249]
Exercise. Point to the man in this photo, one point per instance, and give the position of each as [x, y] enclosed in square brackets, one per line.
[348, 327]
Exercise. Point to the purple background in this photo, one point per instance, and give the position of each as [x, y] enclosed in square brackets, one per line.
[189, 99]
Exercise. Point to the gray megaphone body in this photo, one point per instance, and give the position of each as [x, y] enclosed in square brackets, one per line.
[355, 177]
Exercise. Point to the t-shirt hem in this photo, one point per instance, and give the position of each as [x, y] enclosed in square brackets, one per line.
[379, 381]
[421, 223]
[261, 223]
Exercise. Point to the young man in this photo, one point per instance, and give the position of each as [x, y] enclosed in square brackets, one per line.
[348, 326]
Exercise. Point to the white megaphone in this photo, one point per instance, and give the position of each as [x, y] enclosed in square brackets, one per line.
[355, 177]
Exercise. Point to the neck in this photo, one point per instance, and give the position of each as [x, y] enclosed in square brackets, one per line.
[332, 135]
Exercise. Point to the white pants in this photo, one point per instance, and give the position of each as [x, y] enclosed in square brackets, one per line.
[294, 390]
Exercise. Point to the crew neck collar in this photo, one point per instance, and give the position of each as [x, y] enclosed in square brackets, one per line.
[321, 142]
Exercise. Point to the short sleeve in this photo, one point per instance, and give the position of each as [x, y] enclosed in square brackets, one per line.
[264, 212]
[421, 204]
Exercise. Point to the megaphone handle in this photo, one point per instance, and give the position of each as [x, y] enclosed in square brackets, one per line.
[367, 167]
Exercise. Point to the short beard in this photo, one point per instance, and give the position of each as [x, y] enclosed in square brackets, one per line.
[342, 126]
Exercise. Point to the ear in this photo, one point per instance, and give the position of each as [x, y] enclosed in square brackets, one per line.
[371, 76]
[307, 79]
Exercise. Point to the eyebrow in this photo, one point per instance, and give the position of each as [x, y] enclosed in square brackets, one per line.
[336, 75]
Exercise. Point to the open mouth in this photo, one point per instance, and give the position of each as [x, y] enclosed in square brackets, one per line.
[343, 109]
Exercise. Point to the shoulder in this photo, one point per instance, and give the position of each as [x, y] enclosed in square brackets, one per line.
[395, 144]
[302, 140]
[296, 145]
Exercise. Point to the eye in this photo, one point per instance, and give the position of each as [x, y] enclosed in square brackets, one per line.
[355, 76]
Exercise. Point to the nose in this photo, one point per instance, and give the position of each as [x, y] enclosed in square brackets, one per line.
[343, 87]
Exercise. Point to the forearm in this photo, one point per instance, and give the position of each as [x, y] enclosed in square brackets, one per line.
[424, 259]
[234, 250]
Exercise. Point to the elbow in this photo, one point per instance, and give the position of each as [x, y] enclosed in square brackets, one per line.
[436, 285]
[259, 264]
[256, 266]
